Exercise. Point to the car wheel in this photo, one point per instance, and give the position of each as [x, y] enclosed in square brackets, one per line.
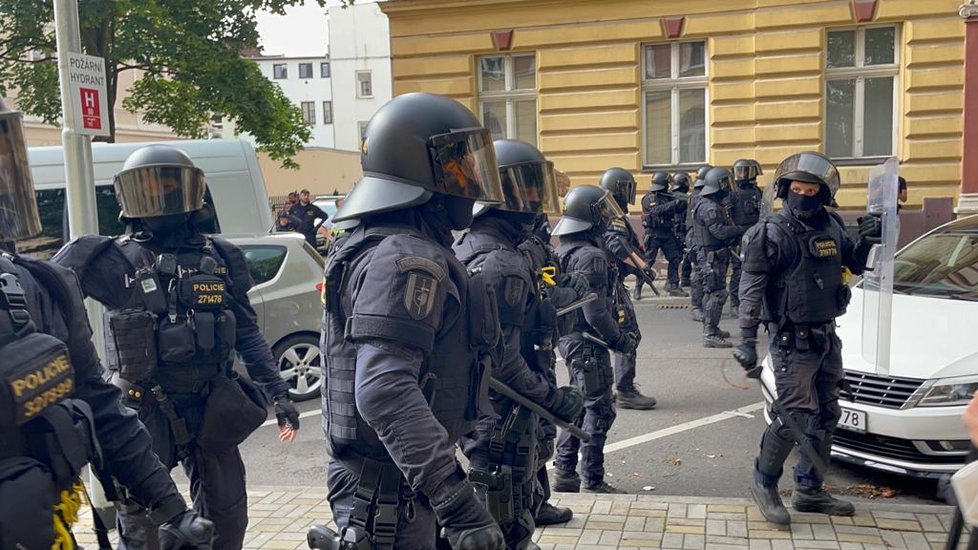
[300, 364]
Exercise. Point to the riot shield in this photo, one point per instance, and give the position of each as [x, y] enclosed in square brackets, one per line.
[767, 200]
[878, 279]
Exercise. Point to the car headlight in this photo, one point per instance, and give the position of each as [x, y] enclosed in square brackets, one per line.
[949, 392]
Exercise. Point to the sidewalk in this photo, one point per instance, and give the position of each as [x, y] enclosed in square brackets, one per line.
[279, 518]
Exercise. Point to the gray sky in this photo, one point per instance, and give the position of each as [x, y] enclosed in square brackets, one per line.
[301, 32]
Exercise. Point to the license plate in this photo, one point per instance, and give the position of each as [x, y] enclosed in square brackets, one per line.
[853, 420]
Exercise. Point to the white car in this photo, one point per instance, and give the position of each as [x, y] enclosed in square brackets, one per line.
[909, 420]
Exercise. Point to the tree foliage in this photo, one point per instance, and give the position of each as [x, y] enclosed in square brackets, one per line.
[187, 50]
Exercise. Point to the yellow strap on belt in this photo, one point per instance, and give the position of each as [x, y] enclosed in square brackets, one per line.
[549, 275]
[846, 276]
[66, 515]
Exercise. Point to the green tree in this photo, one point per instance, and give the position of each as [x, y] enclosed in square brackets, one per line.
[188, 50]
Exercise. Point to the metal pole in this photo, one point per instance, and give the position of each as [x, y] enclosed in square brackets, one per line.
[79, 171]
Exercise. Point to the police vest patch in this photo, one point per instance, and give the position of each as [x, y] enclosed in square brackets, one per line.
[40, 382]
[823, 247]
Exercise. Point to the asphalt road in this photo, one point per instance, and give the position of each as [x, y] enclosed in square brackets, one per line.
[699, 441]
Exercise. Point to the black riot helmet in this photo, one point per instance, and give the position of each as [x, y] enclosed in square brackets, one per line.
[157, 181]
[680, 182]
[660, 182]
[745, 170]
[528, 180]
[808, 167]
[620, 183]
[717, 182]
[419, 145]
[587, 207]
[701, 173]
[757, 168]
[18, 205]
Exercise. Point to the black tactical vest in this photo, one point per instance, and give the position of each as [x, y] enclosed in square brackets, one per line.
[46, 436]
[745, 205]
[568, 253]
[701, 234]
[451, 375]
[177, 328]
[811, 291]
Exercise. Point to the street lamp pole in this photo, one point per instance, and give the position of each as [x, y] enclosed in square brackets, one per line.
[79, 171]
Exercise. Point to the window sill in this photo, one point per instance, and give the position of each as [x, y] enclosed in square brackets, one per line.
[365, 97]
[691, 167]
[863, 161]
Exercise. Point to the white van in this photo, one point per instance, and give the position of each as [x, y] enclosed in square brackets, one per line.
[235, 188]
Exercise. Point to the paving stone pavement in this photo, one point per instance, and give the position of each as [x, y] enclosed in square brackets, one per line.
[280, 516]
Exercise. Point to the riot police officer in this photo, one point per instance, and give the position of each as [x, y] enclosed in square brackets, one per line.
[744, 203]
[58, 413]
[714, 234]
[407, 337]
[503, 451]
[556, 291]
[177, 311]
[660, 208]
[680, 190]
[624, 253]
[696, 285]
[587, 213]
[793, 282]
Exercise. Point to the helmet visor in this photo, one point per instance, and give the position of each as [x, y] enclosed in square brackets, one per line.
[530, 187]
[607, 208]
[808, 167]
[18, 205]
[745, 172]
[464, 165]
[154, 191]
[757, 168]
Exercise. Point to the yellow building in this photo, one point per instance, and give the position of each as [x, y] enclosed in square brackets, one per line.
[673, 84]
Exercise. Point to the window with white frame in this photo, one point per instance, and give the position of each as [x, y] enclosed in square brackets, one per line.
[280, 71]
[508, 96]
[861, 69]
[327, 112]
[365, 85]
[308, 111]
[674, 84]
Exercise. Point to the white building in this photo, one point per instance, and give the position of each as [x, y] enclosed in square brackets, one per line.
[360, 57]
[307, 82]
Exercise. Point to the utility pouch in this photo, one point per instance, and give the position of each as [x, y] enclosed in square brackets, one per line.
[131, 346]
[589, 377]
[176, 340]
[203, 292]
[235, 408]
[204, 325]
[26, 521]
[36, 375]
[802, 339]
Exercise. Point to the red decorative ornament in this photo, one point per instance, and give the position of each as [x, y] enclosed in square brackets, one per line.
[672, 27]
[502, 40]
[864, 11]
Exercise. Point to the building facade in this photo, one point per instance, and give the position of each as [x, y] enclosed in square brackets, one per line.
[674, 84]
[307, 82]
[359, 49]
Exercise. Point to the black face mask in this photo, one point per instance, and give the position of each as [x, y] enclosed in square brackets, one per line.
[803, 206]
[459, 212]
[162, 226]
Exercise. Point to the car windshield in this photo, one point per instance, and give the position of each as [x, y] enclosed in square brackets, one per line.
[942, 264]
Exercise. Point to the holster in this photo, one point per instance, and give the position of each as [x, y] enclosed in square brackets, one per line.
[497, 480]
[592, 377]
[376, 500]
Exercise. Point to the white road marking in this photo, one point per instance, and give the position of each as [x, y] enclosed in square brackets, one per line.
[679, 428]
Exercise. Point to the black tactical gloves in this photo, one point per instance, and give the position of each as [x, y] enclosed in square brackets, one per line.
[285, 412]
[188, 530]
[575, 281]
[746, 354]
[565, 403]
[466, 523]
[627, 343]
[871, 228]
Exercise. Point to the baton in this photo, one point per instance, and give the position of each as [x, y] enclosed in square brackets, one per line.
[592, 338]
[523, 401]
[588, 298]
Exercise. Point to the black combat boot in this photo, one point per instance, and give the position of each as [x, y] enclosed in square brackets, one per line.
[819, 501]
[684, 283]
[637, 292]
[674, 290]
[553, 515]
[715, 339]
[603, 488]
[769, 502]
[566, 482]
[631, 398]
[697, 314]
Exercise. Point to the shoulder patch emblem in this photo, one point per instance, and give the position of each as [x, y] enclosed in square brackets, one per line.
[416, 263]
[419, 294]
[514, 291]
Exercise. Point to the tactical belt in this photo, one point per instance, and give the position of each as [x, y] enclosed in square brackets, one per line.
[375, 500]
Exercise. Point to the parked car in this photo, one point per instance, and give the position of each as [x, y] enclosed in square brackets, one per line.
[288, 276]
[909, 420]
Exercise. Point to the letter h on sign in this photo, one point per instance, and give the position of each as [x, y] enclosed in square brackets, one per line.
[90, 110]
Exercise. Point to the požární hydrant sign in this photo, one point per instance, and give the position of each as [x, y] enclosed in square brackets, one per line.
[86, 80]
